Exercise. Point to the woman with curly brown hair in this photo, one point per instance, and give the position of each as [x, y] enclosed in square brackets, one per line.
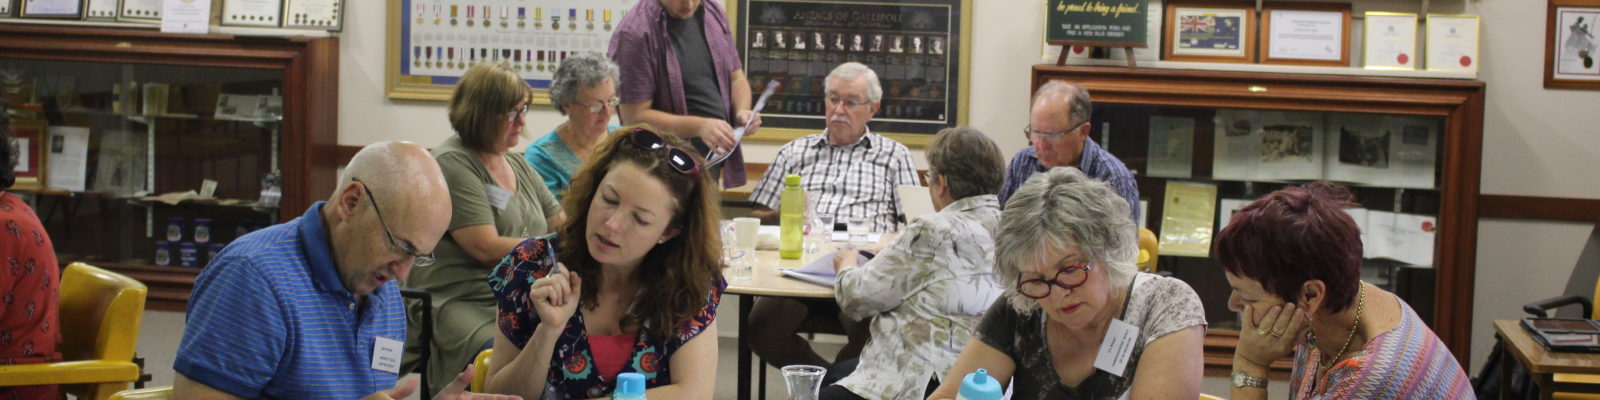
[636, 287]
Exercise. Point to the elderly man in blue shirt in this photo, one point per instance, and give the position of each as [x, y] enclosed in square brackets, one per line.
[1058, 134]
[309, 309]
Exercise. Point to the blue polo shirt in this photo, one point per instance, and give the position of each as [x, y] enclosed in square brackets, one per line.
[270, 318]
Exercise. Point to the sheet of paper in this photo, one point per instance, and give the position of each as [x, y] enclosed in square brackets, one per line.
[120, 169]
[1186, 220]
[1171, 149]
[1291, 146]
[1307, 35]
[1406, 238]
[69, 157]
[186, 16]
[1225, 210]
[1413, 149]
[1358, 150]
[739, 133]
[1237, 145]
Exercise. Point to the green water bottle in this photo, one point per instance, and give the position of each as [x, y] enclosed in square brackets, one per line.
[791, 218]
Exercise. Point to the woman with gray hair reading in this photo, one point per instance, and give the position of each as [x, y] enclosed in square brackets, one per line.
[585, 90]
[1080, 321]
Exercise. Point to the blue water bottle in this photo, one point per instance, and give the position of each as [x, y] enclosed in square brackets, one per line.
[979, 386]
[630, 386]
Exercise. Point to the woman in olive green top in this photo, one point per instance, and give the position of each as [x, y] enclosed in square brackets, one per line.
[497, 200]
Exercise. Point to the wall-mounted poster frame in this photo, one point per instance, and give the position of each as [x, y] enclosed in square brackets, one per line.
[30, 137]
[1305, 33]
[924, 79]
[1209, 31]
[432, 42]
[1571, 50]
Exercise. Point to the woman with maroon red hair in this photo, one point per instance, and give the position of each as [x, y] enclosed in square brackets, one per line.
[1293, 259]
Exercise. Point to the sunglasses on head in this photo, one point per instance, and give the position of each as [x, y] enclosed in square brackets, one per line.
[679, 159]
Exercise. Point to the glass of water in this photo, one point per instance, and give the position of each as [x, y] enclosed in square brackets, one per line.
[734, 256]
[804, 381]
[859, 229]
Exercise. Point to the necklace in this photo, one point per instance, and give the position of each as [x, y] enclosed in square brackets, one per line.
[1361, 302]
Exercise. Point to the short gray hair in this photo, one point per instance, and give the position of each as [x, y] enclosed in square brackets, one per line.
[1076, 95]
[971, 163]
[1059, 208]
[582, 71]
[851, 71]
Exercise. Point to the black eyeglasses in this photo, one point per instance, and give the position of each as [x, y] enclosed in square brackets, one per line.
[1068, 278]
[419, 259]
[679, 159]
[1030, 132]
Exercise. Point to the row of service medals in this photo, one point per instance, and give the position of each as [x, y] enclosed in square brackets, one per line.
[521, 60]
[487, 13]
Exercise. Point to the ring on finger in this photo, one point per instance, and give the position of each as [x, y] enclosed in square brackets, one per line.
[1276, 334]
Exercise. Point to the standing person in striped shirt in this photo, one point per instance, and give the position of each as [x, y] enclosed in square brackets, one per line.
[1058, 135]
[308, 309]
[854, 173]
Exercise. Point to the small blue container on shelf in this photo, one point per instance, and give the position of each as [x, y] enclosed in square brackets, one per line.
[164, 253]
[202, 230]
[188, 255]
[174, 229]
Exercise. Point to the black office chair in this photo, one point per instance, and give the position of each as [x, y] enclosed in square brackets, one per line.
[425, 301]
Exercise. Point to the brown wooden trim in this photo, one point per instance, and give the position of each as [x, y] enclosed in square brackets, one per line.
[344, 153]
[1532, 207]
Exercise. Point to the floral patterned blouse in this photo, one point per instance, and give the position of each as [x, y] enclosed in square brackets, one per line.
[927, 290]
[572, 369]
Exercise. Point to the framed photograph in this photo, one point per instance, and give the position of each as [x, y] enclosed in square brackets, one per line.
[1452, 43]
[140, 11]
[1212, 32]
[1305, 34]
[51, 9]
[314, 14]
[431, 43]
[31, 140]
[1391, 41]
[101, 10]
[267, 13]
[918, 48]
[5, 8]
[1571, 49]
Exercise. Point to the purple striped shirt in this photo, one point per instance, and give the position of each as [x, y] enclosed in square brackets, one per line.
[642, 49]
[1096, 162]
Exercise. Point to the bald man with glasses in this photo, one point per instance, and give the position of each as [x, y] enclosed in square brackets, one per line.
[1058, 136]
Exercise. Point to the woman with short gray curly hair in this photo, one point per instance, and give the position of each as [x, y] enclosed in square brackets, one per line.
[1066, 249]
[585, 90]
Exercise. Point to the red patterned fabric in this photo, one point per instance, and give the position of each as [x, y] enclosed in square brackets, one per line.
[29, 295]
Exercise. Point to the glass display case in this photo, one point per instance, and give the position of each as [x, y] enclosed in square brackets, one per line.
[150, 152]
[1202, 144]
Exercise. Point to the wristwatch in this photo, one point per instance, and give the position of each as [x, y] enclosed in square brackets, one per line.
[1241, 380]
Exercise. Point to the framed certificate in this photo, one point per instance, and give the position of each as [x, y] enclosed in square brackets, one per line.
[30, 137]
[314, 14]
[101, 10]
[5, 9]
[1306, 34]
[1214, 32]
[252, 12]
[51, 9]
[1571, 48]
[142, 11]
[1391, 40]
[1452, 43]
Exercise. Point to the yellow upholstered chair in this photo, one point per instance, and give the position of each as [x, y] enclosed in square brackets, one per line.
[1149, 250]
[157, 393]
[480, 371]
[100, 314]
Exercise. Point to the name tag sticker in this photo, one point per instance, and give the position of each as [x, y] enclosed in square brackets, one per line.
[498, 197]
[1117, 347]
[386, 354]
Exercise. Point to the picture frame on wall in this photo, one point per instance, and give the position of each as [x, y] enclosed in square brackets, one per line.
[431, 43]
[30, 137]
[920, 50]
[51, 9]
[1571, 48]
[101, 10]
[1452, 44]
[1209, 32]
[325, 15]
[1390, 41]
[1300, 33]
[259, 13]
[140, 11]
[5, 8]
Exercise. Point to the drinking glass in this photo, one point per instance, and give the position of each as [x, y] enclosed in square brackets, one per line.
[804, 381]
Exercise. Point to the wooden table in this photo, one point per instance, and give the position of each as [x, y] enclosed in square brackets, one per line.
[766, 281]
[1543, 367]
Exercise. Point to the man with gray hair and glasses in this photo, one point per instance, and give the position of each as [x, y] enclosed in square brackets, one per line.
[854, 173]
[1058, 136]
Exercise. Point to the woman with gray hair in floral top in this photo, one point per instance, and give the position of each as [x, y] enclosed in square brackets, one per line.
[927, 290]
[1066, 249]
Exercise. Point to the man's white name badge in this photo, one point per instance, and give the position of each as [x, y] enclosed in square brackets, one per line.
[1117, 347]
[386, 354]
